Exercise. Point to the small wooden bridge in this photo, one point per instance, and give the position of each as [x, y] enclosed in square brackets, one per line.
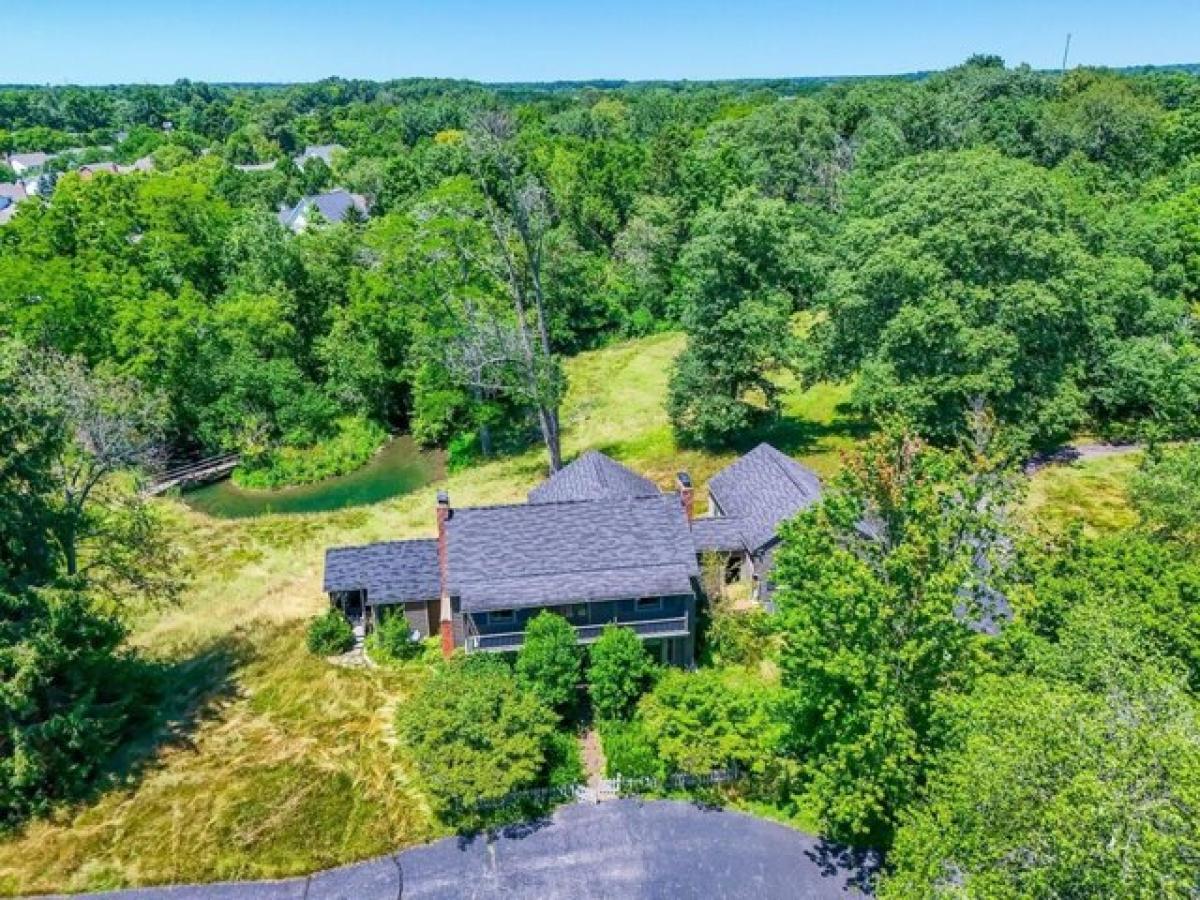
[201, 471]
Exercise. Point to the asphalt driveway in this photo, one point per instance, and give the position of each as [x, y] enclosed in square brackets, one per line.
[624, 848]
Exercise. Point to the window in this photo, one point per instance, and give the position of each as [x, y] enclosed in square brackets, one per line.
[648, 604]
[576, 612]
[500, 617]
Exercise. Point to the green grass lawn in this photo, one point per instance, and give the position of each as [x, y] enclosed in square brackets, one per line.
[1093, 492]
[268, 762]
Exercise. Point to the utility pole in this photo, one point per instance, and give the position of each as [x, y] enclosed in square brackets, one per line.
[1066, 51]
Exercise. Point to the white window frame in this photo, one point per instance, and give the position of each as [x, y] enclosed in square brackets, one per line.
[502, 617]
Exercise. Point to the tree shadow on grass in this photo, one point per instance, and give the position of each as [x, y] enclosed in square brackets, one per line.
[184, 694]
[798, 436]
[171, 700]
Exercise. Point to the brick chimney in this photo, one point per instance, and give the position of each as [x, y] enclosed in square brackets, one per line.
[686, 494]
[447, 617]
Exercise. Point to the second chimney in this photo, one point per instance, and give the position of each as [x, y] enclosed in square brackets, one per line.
[686, 494]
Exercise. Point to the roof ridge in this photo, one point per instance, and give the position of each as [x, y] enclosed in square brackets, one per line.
[617, 568]
[580, 502]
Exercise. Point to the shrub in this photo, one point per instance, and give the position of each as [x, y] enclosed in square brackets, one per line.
[475, 736]
[619, 673]
[628, 750]
[330, 634]
[700, 721]
[354, 443]
[392, 640]
[738, 636]
[564, 760]
[548, 662]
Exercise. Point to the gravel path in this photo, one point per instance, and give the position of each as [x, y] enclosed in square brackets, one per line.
[1076, 452]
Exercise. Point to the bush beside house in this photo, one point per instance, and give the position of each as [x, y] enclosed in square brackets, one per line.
[330, 634]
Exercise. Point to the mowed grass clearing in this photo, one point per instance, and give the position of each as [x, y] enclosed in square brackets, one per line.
[1093, 492]
[268, 762]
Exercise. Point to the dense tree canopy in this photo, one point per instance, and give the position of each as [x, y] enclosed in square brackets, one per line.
[983, 234]
[878, 589]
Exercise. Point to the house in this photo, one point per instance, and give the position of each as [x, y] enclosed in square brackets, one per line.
[13, 190]
[748, 501]
[11, 193]
[87, 170]
[39, 185]
[24, 162]
[144, 164]
[596, 543]
[333, 206]
[141, 164]
[323, 152]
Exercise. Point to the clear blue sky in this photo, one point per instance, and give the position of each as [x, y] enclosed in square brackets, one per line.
[101, 41]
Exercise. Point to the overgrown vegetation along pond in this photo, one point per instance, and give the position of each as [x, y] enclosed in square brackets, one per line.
[400, 467]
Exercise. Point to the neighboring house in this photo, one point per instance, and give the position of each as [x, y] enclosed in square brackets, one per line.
[323, 152]
[87, 170]
[142, 164]
[596, 543]
[333, 206]
[11, 193]
[13, 190]
[39, 185]
[24, 162]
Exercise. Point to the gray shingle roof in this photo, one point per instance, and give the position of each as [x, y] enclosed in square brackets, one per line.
[29, 160]
[324, 152]
[390, 572]
[718, 533]
[333, 205]
[537, 554]
[763, 488]
[593, 476]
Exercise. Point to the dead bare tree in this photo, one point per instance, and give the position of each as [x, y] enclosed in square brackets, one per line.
[518, 214]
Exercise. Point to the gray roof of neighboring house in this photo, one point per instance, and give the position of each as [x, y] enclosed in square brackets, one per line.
[104, 166]
[29, 159]
[761, 489]
[333, 206]
[323, 152]
[256, 167]
[14, 191]
[593, 476]
[141, 164]
[390, 572]
[717, 533]
[537, 554]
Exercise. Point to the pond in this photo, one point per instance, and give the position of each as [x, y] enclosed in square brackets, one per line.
[400, 467]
